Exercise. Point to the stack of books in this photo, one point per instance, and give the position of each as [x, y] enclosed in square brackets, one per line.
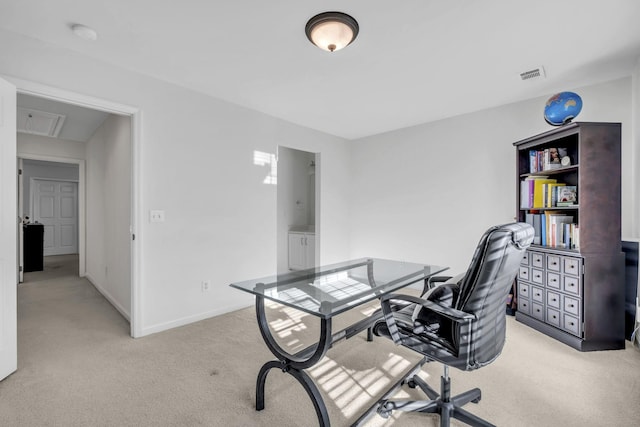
[547, 159]
[554, 229]
[537, 192]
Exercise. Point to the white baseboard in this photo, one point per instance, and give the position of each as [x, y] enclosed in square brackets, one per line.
[191, 319]
[109, 297]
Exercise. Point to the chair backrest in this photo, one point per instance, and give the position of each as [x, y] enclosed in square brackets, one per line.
[486, 285]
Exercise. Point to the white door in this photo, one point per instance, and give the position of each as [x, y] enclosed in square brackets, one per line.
[296, 251]
[310, 250]
[55, 204]
[8, 231]
[20, 218]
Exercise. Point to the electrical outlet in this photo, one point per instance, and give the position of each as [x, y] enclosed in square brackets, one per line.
[206, 285]
[156, 216]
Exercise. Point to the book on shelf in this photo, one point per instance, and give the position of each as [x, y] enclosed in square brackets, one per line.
[534, 221]
[527, 189]
[553, 229]
[526, 193]
[538, 191]
[547, 159]
[567, 196]
[557, 228]
[533, 161]
[571, 236]
[547, 224]
[550, 193]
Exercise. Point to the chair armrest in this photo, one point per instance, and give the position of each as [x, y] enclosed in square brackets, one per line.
[438, 279]
[433, 281]
[451, 313]
[448, 312]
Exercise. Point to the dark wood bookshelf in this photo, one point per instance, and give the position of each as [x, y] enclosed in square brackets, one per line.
[551, 172]
[555, 208]
[576, 295]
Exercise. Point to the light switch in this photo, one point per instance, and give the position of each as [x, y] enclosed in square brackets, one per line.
[156, 216]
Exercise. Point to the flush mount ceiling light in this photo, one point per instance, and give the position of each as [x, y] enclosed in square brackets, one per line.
[332, 31]
[84, 32]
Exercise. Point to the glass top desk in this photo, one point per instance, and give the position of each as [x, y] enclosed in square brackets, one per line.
[326, 292]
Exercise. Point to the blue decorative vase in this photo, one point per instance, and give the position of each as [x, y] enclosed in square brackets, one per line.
[562, 107]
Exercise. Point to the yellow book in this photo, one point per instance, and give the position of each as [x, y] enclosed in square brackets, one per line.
[538, 191]
[548, 215]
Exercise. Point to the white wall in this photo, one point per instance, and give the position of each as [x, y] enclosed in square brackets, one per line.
[428, 192]
[51, 147]
[109, 211]
[197, 165]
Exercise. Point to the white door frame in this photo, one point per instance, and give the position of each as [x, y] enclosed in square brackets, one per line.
[60, 95]
[20, 222]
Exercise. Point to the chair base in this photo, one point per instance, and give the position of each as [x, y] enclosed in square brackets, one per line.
[442, 404]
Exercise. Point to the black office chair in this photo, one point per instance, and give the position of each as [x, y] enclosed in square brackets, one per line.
[460, 323]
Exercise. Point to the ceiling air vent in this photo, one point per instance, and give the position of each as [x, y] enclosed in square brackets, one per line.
[39, 122]
[536, 73]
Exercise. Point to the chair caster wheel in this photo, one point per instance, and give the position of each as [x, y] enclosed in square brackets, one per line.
[411, 383]
[383, 411]
[476, 400]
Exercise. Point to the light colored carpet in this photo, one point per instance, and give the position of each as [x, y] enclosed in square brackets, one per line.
[77, 366]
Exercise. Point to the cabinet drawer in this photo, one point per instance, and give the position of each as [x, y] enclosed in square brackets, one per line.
[571, 285]
[571, 305]
[523, 290]
[553, 263]
[537, 311]
[553, 317]
[537, 259]
[572, 266]
[553, 280]
[553, 299]
[525, 258]
[537, 294]
[537, 276]
[571, 324]
[524, 306]
[523, 273]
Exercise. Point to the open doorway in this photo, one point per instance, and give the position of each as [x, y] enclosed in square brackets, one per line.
[298, 209]
[49, 208]
[98, 146]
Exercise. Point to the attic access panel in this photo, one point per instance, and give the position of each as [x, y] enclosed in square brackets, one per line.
[39, 122]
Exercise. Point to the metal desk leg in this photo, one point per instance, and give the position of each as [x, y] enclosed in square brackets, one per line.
[292, 364]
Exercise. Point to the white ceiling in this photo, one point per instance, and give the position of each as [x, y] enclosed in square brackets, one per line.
[414, 61]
